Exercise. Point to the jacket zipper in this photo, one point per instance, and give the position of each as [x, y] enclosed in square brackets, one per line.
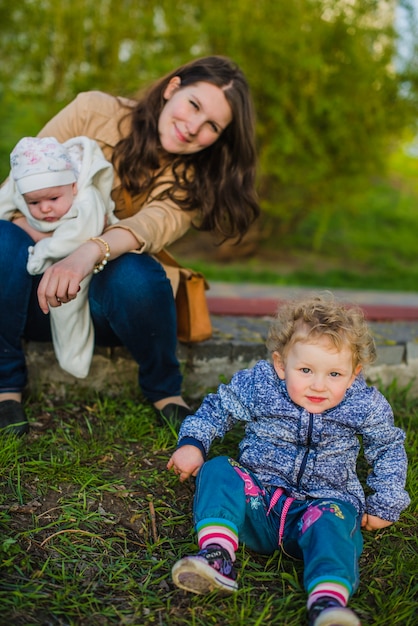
[308, 447]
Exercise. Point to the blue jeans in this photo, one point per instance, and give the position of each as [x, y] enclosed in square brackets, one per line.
[325, 533]
[131, 304]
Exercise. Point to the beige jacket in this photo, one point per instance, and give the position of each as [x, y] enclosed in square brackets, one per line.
[155, 223]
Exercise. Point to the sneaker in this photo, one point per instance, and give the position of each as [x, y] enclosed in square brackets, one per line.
[13, 419]
[173, 414]
[329, 612]
[208, 570]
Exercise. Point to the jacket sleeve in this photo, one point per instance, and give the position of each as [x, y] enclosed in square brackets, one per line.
[157, 225]
[219, 412]
[384, 450]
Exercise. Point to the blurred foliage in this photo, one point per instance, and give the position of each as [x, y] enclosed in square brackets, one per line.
[332, 97]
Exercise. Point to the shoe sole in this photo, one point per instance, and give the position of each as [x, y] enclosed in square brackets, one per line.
[196, 575]
[337, 617]
[18, 429]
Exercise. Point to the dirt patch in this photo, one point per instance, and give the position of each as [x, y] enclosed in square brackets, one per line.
[129, 501]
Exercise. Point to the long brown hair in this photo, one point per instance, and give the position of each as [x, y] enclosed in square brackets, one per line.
[219, 180]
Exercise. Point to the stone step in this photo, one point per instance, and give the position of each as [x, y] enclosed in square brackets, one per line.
[237, 342]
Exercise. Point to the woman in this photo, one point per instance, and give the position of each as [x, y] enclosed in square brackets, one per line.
[183, 155]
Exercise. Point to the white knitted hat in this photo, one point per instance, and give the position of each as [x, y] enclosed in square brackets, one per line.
[41, 162]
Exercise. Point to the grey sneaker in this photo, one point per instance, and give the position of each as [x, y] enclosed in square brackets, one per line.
[329, 612]
[206, 571]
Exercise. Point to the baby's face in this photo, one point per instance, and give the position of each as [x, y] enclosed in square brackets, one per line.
[317, 375]
[51, 203]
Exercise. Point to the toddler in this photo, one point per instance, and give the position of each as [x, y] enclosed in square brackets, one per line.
[295, 485]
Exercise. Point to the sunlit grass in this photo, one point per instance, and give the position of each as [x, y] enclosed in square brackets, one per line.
[91, 524]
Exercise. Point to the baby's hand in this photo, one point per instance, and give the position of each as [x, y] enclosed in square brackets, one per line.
[372, 522]
[186, 462]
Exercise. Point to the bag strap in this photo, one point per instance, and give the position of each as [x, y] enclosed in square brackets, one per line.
[167, 259]
[127, 199]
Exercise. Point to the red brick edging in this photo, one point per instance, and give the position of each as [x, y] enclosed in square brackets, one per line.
[258, 307]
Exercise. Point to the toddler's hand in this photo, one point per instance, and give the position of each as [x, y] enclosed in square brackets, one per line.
[372, 522]
[186, 462]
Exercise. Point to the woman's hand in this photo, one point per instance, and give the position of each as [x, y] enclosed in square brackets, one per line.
[61, 282]
[372, 522]
[186, 461]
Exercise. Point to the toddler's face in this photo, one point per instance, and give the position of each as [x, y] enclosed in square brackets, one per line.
[50, 204]
[317, 375]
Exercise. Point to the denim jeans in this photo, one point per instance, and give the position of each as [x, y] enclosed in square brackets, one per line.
[324, 532]
[131, 304]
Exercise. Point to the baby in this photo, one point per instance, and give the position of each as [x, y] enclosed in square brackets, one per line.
[63, 192]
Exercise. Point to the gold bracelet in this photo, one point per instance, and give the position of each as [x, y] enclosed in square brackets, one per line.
[101, 242]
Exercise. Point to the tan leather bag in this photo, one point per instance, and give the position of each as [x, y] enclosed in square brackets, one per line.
[193, 317]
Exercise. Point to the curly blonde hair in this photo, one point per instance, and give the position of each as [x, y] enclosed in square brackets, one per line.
[322, 316]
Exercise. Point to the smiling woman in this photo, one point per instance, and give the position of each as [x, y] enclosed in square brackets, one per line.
[193, 118]
[183, 156]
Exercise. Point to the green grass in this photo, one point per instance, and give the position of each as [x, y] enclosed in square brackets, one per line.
[350, 276]
[91, 523]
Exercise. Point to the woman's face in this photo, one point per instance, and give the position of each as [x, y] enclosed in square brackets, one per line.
[193, 117]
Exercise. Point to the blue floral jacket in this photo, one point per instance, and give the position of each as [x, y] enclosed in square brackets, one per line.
[309, 455]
